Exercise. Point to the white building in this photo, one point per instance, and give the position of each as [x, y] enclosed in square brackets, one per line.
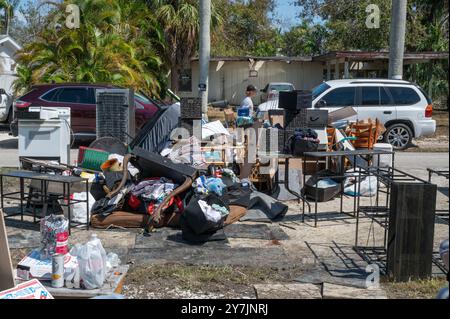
[8, 66]
[229, 76]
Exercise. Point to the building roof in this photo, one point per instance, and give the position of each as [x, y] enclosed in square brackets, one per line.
[352, 55]
[379, 55]
[6, 38]
[258, 58]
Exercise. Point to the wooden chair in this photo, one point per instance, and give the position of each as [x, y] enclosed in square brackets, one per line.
[331, 134]
[366, 134]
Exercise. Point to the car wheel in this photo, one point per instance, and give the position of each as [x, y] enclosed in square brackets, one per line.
[399, 136]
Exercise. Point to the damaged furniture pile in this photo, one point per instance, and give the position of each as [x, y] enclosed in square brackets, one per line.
[183, 172]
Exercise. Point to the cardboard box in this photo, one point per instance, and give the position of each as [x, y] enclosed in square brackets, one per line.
[33, 267]
[32, 289]
[341, 114]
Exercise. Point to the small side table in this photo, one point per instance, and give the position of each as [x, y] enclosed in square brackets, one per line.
[44, 194]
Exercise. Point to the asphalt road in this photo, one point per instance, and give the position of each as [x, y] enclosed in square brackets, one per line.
[410, 162]
[404, 161]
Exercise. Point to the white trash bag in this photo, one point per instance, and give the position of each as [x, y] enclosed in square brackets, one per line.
[92, 262]
[78, 210]
[367, 188]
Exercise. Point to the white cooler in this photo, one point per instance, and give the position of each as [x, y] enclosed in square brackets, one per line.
[385, 159]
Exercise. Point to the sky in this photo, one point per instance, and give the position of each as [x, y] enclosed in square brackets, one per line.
[287, 12]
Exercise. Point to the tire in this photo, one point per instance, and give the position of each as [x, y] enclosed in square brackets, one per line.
[399, 136]
[10, 116]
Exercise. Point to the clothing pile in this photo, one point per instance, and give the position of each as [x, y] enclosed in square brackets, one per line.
[220, 199]
[150, 193]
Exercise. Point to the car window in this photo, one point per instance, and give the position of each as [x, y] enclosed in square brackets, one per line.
[404, 95]
[370, 96]
[429, 101]
[91, 92]
[319, 90]
[384, 97]
[281, 87]
[76, 95]
[142, 98]
[51, 96]
[340, 97]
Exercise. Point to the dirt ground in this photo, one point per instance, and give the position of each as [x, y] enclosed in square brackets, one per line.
[439, 142]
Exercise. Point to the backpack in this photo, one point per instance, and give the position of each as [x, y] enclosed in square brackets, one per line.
[303, 140]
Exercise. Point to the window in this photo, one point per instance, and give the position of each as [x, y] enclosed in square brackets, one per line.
[370, 96]
[319, 90]
[429, 101]
[340, 97]
[185, 81]
[51, 96]
[76, 95]
[281, 87]
[404, 95]
[384, 97]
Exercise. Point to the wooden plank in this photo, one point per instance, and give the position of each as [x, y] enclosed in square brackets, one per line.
[332, 291]
[411, 231]
[6, 269]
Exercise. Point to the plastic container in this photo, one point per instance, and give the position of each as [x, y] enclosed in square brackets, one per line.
[322, 194]
[385, 159]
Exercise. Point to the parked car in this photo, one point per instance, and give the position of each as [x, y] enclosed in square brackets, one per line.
[403, 107]
[5, 107]
[271, 90]
[81, 99]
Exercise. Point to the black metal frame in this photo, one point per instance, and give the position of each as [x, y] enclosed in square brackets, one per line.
[341, 155]
[286, 158]
[43, 195]
[380, 214]
[442, 214]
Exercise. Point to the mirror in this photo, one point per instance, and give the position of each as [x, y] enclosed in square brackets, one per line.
[321, 103]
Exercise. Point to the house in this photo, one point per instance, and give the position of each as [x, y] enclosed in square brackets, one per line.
[8, 65]
[229, 76]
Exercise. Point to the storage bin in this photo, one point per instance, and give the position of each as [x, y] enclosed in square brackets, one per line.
[322, 194]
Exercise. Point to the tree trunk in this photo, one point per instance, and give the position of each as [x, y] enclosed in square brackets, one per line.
[174, 77]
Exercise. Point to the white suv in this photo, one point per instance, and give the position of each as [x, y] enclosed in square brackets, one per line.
[403, 107]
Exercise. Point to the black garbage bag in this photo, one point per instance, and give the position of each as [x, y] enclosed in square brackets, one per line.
[195, 226]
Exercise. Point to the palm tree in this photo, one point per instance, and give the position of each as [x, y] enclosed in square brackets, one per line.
[112, 45]
[9, 13]
[180, 21]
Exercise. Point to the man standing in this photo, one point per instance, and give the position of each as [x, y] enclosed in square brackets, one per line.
[247, 103]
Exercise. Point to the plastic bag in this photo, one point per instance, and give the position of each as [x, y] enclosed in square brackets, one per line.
[112, 261]
[367, 188]
[92, 262]
[78, 210]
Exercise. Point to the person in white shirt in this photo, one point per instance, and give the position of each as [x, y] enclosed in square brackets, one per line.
[247, 103]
